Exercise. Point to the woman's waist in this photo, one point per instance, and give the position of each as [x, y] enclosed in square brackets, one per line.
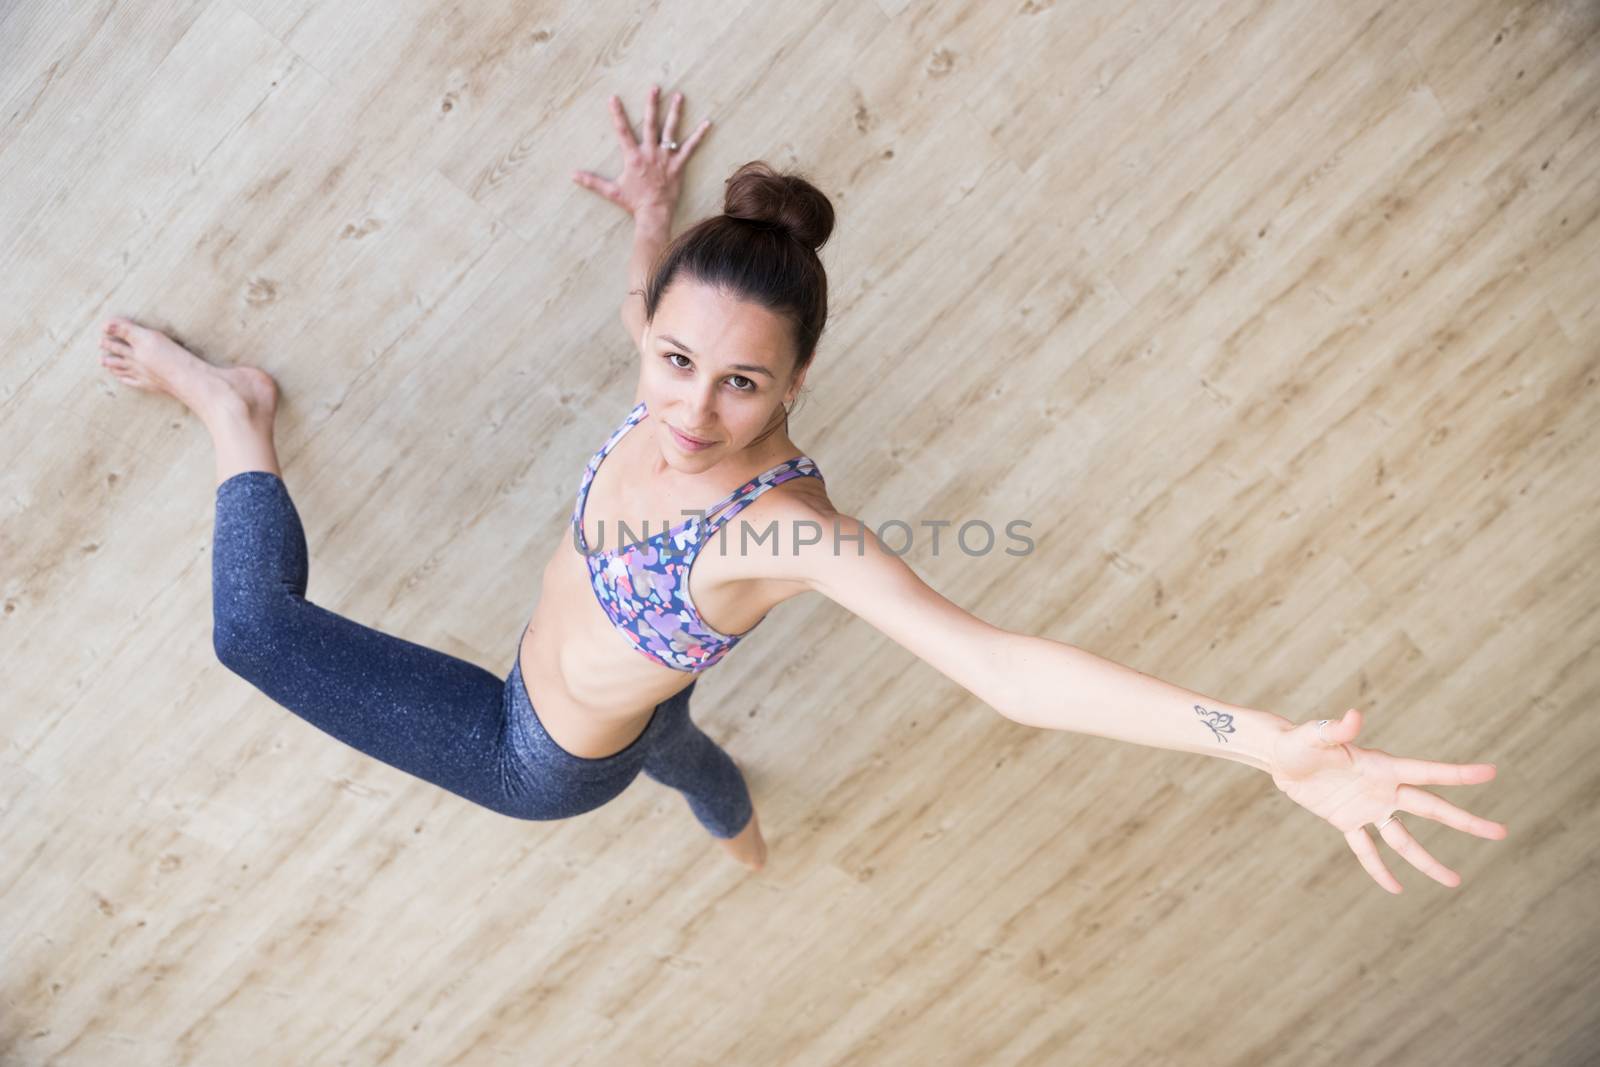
[569, 669]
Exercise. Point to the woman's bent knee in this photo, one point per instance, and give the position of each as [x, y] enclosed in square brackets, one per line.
[231, 645]
[241, 640]
[245, 623]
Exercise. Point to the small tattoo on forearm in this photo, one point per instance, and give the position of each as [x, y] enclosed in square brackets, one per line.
[1219, 721]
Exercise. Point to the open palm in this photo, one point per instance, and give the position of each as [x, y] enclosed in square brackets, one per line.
[652, 163]
[1350, 786]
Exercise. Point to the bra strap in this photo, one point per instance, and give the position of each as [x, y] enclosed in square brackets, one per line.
[746, 494]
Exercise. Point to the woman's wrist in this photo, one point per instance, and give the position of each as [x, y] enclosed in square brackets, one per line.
[654, 220]
[1058, 686]
[651, 232]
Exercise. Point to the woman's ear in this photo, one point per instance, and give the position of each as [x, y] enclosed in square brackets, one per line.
[794, 389]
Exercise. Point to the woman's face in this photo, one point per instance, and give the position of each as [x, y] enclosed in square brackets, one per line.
[717, 369]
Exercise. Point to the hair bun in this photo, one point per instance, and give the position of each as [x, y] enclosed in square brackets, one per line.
[757, 193]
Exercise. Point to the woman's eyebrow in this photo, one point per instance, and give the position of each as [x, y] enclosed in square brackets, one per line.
[737, 366]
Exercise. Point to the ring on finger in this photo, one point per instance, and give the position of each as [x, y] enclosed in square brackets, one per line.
[667, 124]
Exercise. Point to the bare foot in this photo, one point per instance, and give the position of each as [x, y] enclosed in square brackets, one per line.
[148, 359]
[748, 846]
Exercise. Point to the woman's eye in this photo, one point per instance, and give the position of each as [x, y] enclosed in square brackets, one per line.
[748, 386]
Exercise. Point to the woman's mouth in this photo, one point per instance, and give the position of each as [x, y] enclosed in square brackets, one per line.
[687, 443]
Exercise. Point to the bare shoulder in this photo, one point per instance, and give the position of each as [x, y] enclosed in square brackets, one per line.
[823, 550]
[776, 532]
[809, 542]
[821, 547]
[761, 542]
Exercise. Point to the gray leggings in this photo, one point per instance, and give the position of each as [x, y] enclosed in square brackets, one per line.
[426, 712]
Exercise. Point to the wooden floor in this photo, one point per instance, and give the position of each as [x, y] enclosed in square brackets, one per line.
[1277, 320]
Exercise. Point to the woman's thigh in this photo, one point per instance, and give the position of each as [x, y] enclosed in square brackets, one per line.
[430, 714]
[422, 711]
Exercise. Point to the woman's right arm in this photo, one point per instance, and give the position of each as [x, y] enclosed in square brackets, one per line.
[647, 189]
[652, 228]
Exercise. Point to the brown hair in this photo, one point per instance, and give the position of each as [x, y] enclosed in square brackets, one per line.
[762, 248]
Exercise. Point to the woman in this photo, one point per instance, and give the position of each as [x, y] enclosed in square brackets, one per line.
[727, 318]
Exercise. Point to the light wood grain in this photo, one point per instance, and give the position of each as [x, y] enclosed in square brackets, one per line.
[1275, 320]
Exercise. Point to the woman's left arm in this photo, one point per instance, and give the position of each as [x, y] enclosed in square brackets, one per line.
[1063, 687]
[1031, 680]
[1039, 682]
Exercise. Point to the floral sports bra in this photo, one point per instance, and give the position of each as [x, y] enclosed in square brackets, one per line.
[644, 586]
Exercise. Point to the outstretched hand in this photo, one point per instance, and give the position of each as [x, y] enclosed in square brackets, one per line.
[1350, 786]
[652, 166]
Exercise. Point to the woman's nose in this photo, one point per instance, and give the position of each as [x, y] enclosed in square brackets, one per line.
[702, 411]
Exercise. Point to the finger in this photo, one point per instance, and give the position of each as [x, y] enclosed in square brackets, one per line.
[1367, 853]
[619, 118]
[590, 180]
[694, 138]
[1412, 852]
[1431, 772]
[669, 125]
[648, 134]
[1423, 803]
[1344, 729]
[1329, 733]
